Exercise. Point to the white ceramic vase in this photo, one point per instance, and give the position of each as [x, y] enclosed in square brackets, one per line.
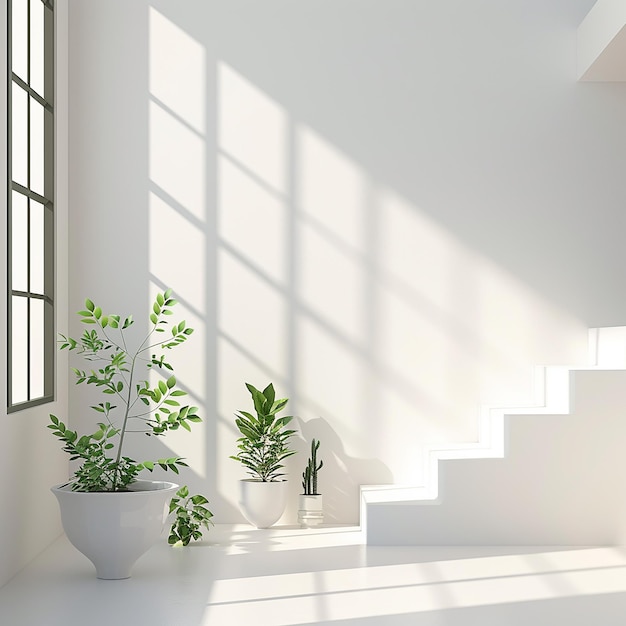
[262, 503]
[113, 529]
[310, 510]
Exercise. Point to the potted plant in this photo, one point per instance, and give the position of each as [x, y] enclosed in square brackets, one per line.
[107, 513]
[310, 509]
[263, 447]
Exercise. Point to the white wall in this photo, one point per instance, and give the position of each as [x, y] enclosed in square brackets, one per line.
[392, 210]
[31, 461]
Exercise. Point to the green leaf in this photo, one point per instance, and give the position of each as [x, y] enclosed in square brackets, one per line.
[162, 387]
[160, 299]
[278, 405]
[167, 294]
[269, 394]
[97, 312]
[178, 392]
[171, 382]
[89, 305]
[153, 318]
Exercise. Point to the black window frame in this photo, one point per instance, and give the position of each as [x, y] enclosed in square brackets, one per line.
[47, 295]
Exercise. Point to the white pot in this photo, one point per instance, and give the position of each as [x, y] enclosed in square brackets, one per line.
[113, 529]
[262, 503]
[310, 510]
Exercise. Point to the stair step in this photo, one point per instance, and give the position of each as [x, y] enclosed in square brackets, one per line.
[557, 477]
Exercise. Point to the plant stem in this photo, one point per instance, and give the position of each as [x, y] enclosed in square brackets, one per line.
[124, 423]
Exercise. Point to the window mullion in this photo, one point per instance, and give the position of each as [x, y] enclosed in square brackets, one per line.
[45, 103]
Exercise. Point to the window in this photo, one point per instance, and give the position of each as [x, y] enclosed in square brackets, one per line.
[30, 203]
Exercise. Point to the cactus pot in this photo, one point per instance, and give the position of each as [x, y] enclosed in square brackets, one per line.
[262, 503]
[113, 529]
[310, 510]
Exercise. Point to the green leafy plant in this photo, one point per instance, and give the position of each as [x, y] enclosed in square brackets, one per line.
[139, 408]
[191, 516]
[309, 476]
[264, 443]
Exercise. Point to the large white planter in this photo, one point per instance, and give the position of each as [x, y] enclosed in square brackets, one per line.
[113, 529]
[262, 503]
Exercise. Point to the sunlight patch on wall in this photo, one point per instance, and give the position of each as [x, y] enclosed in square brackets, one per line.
[182, 267]
[331, 191]
[332, 342]
[177, 206]
[252, 312]
[329, 379]
[252, 262]
[252, 128]
[331, 285]
[252, 222]
[177, 161]
[477, 325]
[177, 71]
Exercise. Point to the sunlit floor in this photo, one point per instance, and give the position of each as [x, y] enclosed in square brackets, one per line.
[281, 576]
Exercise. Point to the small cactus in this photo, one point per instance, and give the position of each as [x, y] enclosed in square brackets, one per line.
[309, 476]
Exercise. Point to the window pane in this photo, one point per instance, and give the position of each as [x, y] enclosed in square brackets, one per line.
[19, 135]
[19, 350]
[36, 146]
[19, 41]
[36, 247]
[36, 349]
[36, 45]
[19, 241]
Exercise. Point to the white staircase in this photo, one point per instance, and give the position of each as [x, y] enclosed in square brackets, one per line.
[550, 474]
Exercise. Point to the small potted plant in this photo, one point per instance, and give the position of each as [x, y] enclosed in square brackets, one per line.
[107, 513]
[263, 447]
[310, 509]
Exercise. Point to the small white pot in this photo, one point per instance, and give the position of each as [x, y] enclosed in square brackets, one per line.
[310, 510]
[262, 503]
[113, 529]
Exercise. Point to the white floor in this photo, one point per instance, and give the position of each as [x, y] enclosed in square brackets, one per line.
[282, 576]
